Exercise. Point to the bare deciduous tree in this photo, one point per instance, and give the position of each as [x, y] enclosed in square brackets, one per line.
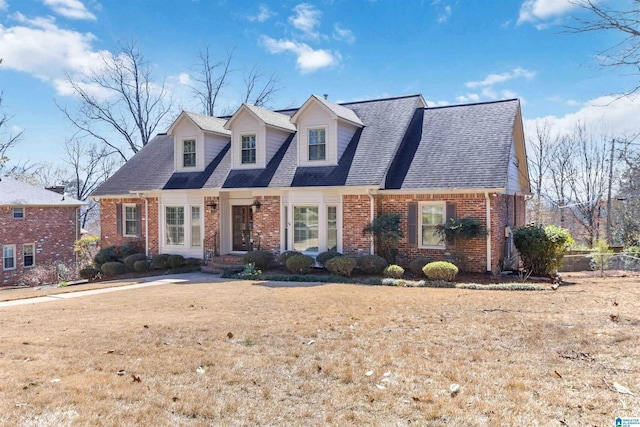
[8, 139]
[625, 53]
[252, 79]
[541, 148]
[561, 173]
[120, 96]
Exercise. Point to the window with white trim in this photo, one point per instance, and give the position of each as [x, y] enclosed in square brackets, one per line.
[317, 143]
[130, 220]
[332, 228]
[174, 225]
[196, 237]
[18, 213]
[9, 257]
[189, 153]
[305, 228]
[28, 255]
[248, 149]
[432, 215]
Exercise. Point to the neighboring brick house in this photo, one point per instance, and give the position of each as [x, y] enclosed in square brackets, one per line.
[37, 226]
[311, 178]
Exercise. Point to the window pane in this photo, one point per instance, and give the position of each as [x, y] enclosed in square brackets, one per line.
[195, 226]
[317, 144]
[174, 225]
[305, 229]
[130, 221]
[332, 228]
[28, 255]
[248, 154]
[432, 216]
[8, 256]
[18, 212]
[189, 153]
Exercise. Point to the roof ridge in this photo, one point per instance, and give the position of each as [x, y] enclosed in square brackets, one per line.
[470, 104]
[391, 98]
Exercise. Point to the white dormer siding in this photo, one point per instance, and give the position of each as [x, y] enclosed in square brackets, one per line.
[245, 125]
[338, 124]
[208, 143]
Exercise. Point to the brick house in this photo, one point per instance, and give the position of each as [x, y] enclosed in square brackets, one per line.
[310, 179]
[37, 226]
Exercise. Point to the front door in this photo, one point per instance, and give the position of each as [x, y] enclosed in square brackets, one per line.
[242, 223]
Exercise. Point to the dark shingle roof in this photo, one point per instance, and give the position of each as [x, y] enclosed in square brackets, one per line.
[401, 146]
[464, 146]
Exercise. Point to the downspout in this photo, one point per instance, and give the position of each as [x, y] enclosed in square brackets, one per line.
[146, 224]
[372, 216]
[488, 215]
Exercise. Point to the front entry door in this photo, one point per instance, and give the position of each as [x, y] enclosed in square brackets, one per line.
[242, 227]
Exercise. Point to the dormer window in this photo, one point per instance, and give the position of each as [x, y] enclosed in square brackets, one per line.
[248, 154]
[189, 153]
[317, 144]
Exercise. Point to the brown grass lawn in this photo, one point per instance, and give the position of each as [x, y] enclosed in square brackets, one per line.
[328, 354]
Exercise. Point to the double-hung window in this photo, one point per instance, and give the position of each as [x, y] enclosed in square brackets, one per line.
[18, 213]
[196, 235]
[29, 255]
[332, 228]
[248, 149]
[174, 225]
[431, 216]
[130, 220]
[189, 153]
[9, 257]
[305, 228]
[317, 144]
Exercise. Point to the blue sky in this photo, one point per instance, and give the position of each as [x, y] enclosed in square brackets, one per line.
[449, 51]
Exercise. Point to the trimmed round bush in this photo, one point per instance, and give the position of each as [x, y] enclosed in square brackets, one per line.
[341, 265]
[89, 273]
[261, 259]
[372, 264]
[301, 264]
[394, 271]
[142, 266]
[128, 248]
[132, 259]
[323, 257]
[113, 268]
[105, 255]
[440, 270]
[160, 261]
[416, 265]
[284, 256]
[192, 262]
[175, 261]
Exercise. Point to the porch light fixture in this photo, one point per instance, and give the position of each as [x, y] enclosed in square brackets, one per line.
[256, 205]
[212, 207]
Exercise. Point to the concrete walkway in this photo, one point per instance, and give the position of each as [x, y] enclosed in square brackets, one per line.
[176, 278]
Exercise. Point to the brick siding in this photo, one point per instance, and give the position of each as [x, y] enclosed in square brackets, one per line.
[356, 214]
[266, 224]
[52, 229]
[108, 223]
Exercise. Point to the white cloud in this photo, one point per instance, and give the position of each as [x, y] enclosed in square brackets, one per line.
[493, 79]
[72, 9]
[308, 59]
[263, 14]
[3, 5]
[39, 47]
[536, 10]
[605, 115]
[184, 79]
[509, 94]
[306, 19]
[345, 34]
[444, 15]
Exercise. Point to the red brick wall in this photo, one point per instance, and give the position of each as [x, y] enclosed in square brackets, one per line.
[211, 227]
[52, 229]
[266, 224]
[356, 214]
[108, 230]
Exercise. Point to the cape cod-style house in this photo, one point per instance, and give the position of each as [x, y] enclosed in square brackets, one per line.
[310, 179]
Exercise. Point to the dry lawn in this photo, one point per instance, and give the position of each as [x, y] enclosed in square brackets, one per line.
[327, 354]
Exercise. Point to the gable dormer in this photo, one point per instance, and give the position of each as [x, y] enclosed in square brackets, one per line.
[197, 140]
[256, 135]
[324, 131]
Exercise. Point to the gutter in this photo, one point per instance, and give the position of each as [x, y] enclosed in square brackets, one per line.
[488, 215]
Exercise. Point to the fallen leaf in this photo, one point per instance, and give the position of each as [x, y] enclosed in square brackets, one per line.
[556, 372]
[615, 303]
[622, 389]
[613, 318]
[121, 372]
[175, 399]
[109, 351]
[319, 368]
[368, 373]
[310, 342]
[229, 335]
[200, 370]
[55, 380]
[146, 326]
[454, 389]
[416, 399]
[135, 378]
